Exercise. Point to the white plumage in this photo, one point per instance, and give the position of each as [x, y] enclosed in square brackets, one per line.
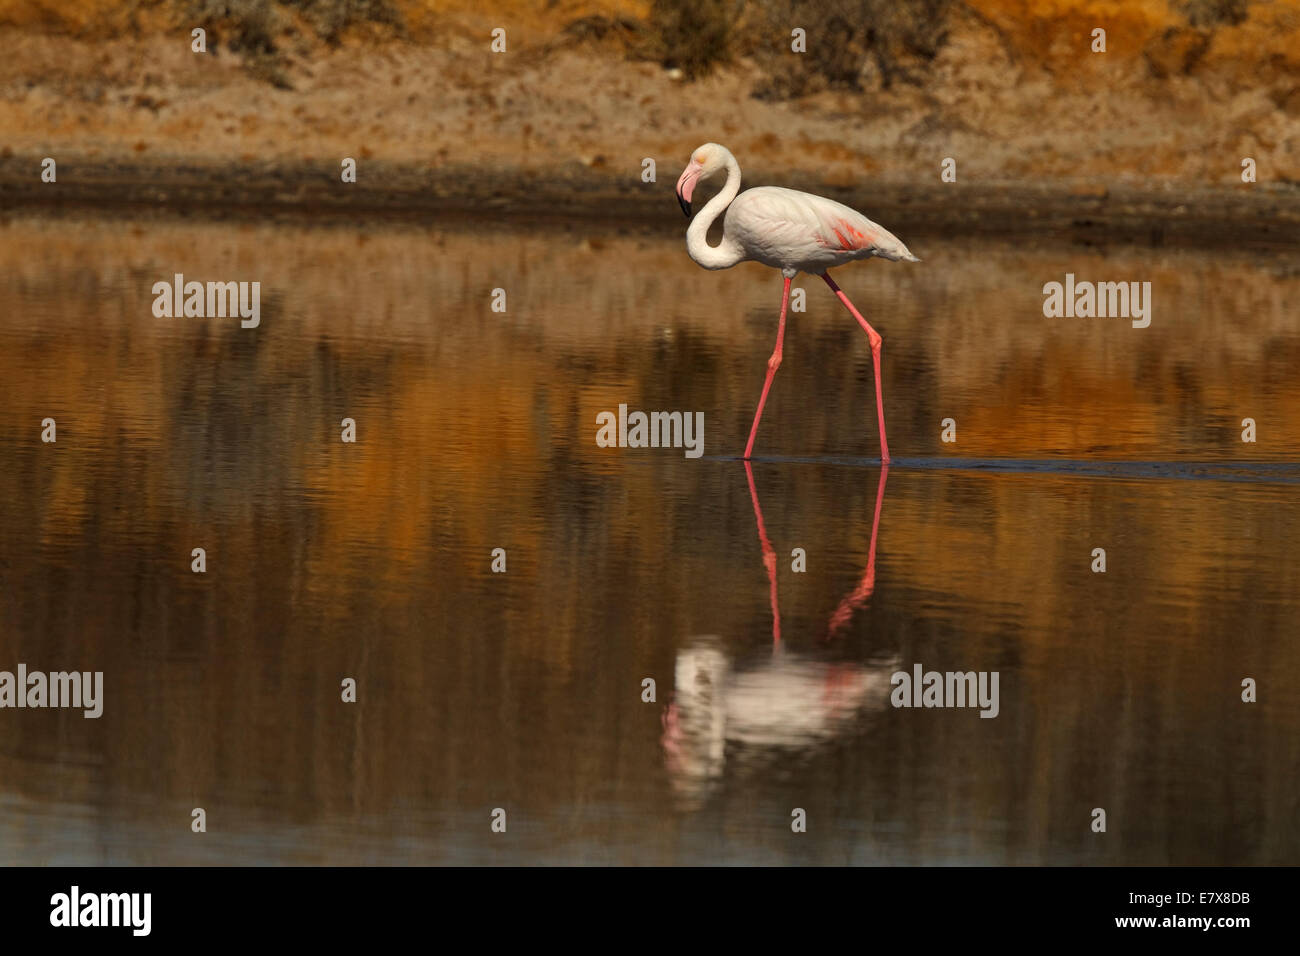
[788, 230]
[785, 228]
[756, 715]
[782, 228]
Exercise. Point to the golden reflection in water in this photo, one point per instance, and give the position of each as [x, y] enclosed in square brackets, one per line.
[476, 430]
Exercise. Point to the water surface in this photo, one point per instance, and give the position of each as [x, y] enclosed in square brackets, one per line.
[523, 690]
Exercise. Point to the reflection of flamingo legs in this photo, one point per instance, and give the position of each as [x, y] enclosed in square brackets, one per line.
[789, 701]
[854, 599]
[769, 555]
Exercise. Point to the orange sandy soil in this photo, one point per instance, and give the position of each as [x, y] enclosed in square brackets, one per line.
[114, 93]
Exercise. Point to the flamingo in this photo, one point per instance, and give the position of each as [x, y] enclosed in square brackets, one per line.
[792, 700]
[751, 715]
[788, 230]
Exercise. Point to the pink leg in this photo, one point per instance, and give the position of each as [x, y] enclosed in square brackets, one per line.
[772, 365]
[867, 585]
[769, 555]
[876, 343]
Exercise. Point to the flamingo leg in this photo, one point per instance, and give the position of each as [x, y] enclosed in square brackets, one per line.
[769, 555]
[867, 585]
[876, 343]
[773, 364]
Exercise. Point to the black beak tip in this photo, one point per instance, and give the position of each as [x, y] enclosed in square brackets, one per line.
[686, 207]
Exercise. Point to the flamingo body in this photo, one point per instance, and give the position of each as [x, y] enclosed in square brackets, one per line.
[752, 717]
[788, 230]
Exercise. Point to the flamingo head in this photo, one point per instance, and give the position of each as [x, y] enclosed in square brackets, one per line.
[705, 161]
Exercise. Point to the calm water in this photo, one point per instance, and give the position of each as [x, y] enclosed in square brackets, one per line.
[522, 690]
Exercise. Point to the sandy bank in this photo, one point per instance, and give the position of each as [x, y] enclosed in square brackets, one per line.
[1142, 143]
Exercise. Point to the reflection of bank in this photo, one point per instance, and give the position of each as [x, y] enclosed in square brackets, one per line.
[788, 702]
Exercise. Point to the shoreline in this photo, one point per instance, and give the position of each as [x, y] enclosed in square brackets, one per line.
[1255, 216]
[1045, 138]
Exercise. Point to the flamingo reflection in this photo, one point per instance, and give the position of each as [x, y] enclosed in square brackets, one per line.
[855, 598]
[789, 701]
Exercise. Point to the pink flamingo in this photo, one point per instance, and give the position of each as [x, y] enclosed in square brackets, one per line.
[788, 230]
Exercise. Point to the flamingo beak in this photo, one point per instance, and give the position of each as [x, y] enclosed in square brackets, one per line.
[686, 185]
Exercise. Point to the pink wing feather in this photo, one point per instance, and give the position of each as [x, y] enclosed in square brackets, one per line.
[786, 227]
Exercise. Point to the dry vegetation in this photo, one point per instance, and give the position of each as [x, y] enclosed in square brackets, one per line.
[887, 88]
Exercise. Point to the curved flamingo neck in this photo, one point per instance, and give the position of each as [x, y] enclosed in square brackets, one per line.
[728, 252]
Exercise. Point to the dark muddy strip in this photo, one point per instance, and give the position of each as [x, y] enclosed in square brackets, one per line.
[1281, 472]
[1260, 216]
